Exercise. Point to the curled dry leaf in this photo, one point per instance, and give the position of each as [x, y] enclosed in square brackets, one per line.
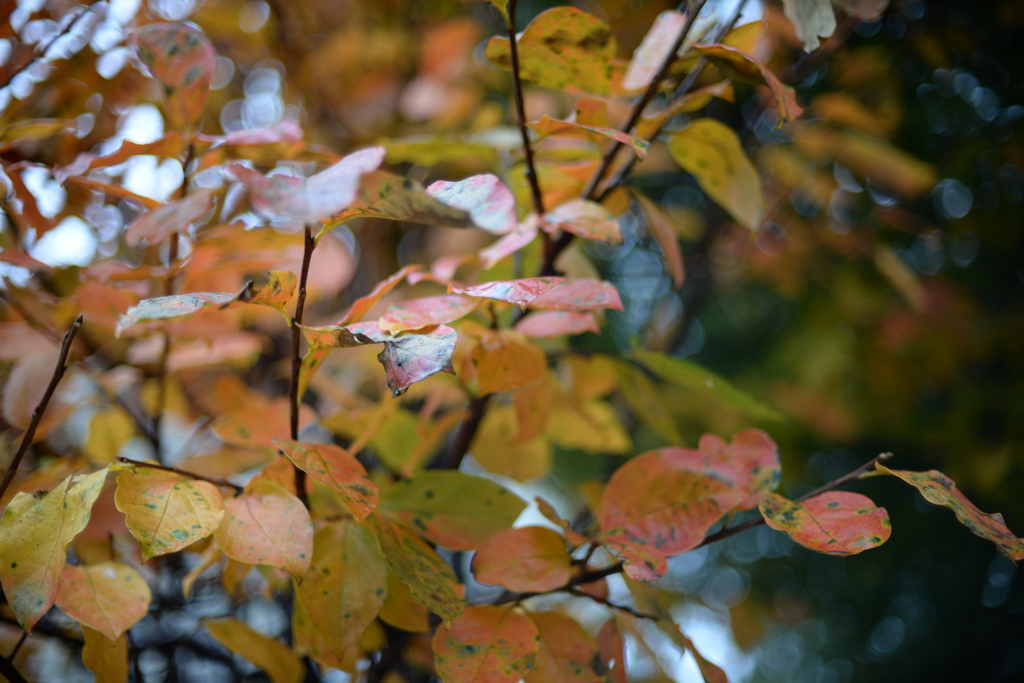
[334, 467]
[579, 295]
[428, 311]
[158, 224]
[549, 127]
[584, 218]
[486, 644]
[834, 523]
[109, 597]
[526, 559]
[182, 59]
[490, 204]
[518, 292]
[563, 48]
[741, 67]
[549, 324]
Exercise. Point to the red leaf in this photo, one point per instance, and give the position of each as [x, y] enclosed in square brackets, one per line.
[613, 650]
[432, 310]
[490, 204]
[742, 67]
[566, 654]
[182, 59]
[834, 523]
[586, 219]
[334, 467]
[548, 324]
[486, 644]
[519, 292]
[750, 462]
[579, 295]
[655, 506]
[527, 559]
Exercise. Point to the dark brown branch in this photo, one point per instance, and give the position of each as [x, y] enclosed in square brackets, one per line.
[17, 646]
[294, 400]
[517, 88]
[37, 414]
[609, 603]
[8, 671]
[184, 473]
[467, 430]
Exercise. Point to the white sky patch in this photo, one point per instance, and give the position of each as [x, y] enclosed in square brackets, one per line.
[71, 243]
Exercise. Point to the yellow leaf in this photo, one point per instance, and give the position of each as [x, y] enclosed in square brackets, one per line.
[402, 609]
[267, 525]
[206, 560]
[592, 426]
[109, 597]
[498, 450]
[589, 377]
[110, 427]
[274, 657]
[337, 468]
[712, 153]
[505, 360]
[108, 660]
[165, 511]
[345, 587]
[34, 534]
[532, 405]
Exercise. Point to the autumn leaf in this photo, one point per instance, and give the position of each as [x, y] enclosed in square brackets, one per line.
[34, 534]
[156, 225]
[743, 68]
[645, 402]
[655, 507]
[334, 467]
[654, 49]
[549, 127]
[567, 654]
[109, 597]
[452, 509]
[267, 525]
[812, 19]
[713, 154]
[664, 234]
[550, 324]
[383, 195]
[165, 511]
[549, 512]
[107, 660]
[168, 146]
[509, 244]
[750, 463]
[176, 307]
[519, 292]
[430, 578]
[345, 587]
[590, 426]
[579, 295]
[182, 59]
[939, 489]
[527, 559]
[489, 203]
[274, 657]
[504, 359]
[562, 48]
[310, 199]
[487, 644]
[834, 523]
[428, 311]
[361, 306]
[612, 647]
[210, 556]
[498, 447]
[277, 292]
[648, 126]
[586, 219]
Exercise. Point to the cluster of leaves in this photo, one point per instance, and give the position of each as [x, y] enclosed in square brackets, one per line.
[361, 542]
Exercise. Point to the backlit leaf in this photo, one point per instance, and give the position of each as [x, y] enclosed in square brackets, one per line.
[432, 310]
[504, 359]
[334, 467]
[490, 204]
[590, 426]
[109, 597]
[579, 295]
[567, 654]
[278, 290]
[529, 558]
[743, 68]
[834, 523]
[346, 585]
[519, 292]
[455, 510]
[562, 48]
[430, 579]
[274, 657]
[664, 234]
[939, 489]
[487, 644]
[812, 19]
[34, 534]
[549, 127]
[703, 383]
[165, 511]
[653, 50]
[310, 199]
[613, 650]
[750, 462]
[108, 660]
[361, 306]
[586, 219]
[267, 525]
[509, 244]
[182, 59]
[712, 153]
[550, 324]
[156, 225]
[655, 507]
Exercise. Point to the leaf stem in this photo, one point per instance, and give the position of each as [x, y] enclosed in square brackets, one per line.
[37, 414]
[294, 400]
[185, 473]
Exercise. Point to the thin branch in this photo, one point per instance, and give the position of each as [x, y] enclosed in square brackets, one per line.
[609, 603]
[517, 87]
[8, 671]
[294, 400]
[17, 646]
[184, 473]
[467, 430]
[37, 414]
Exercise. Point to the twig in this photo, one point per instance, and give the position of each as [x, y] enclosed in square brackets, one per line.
[467, 430]
[8, 671]
[17, 646]
[609, 603]
[184, 473]
[517, 88]
[294, 399]
[37, 414]
[40, 53]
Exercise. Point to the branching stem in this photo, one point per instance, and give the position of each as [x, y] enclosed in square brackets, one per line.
[294, 400]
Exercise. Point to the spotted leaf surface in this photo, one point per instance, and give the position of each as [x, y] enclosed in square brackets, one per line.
[549, 127]
[567, 654]
[743, 68]
[529, 558]
[165, 511]
[415, 563]
[34, 534]
[518, 292]
[431, 310]
[586, 219]
[267, 525]
[750, 462]
[579, 295]
[655, 507]
[109, 597]
[346, 585]
[563, 48]
[278, 291]
[182, 59]
[939, 489]
[334, 467]
[489, 203]
[549, 324]
[486, 644]
[834, 523]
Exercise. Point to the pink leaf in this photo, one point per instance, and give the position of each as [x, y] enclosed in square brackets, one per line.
[586, 219]
[548, 324]
[579, 295]
[432, 310]
[156, 225]
[490, 204]
[518, 292]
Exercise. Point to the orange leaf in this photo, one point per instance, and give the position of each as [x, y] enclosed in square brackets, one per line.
[432, 310]
[532, 404]
[655, 507]
[334, 467]
[613, 650]
[566, 654]
[939, 489]
[665, 235]
[518, 292]
[834, 523]
[553, 127]
[505, 359]
[585, 219]
[267, 525]
[742, 67]
[109, 597]
[108, 660]
[579, 295]
[750, 462]
[156, 225]
[486, 644]
[527, 559]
